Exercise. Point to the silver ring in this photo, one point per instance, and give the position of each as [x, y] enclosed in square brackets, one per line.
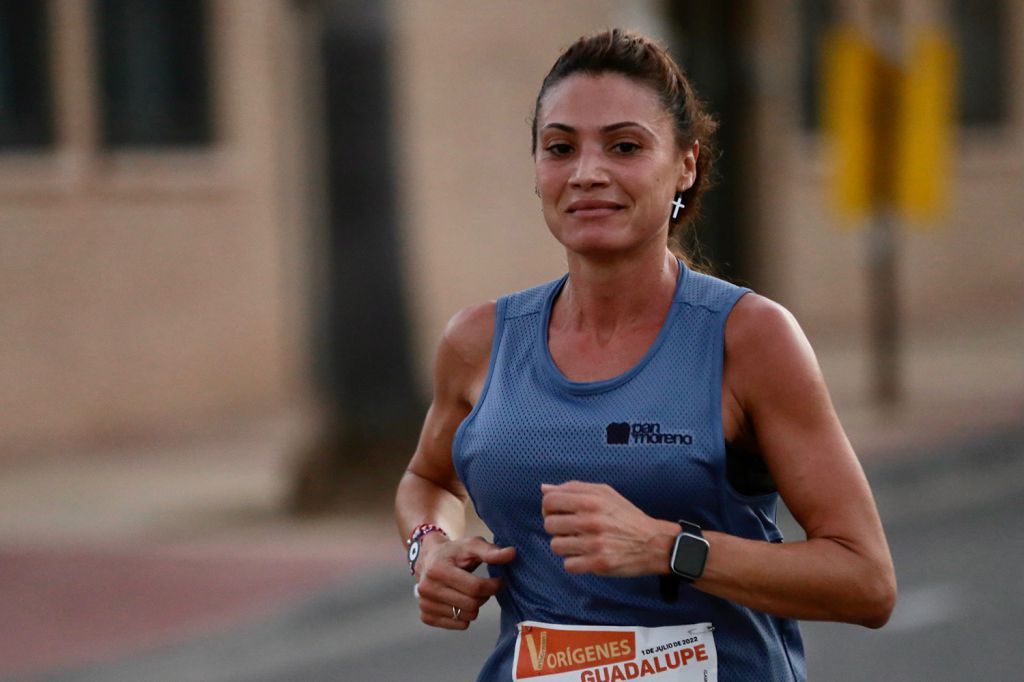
[455, 613]
[416, 590]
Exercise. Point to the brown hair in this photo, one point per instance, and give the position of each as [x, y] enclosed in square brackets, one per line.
[643, 60]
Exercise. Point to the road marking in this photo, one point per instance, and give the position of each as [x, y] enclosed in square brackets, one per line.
[925, 606]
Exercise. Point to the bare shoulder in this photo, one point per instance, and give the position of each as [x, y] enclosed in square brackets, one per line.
[768, 355]
[469, 334]
[464, 355]
[759, 325]
[459, 372]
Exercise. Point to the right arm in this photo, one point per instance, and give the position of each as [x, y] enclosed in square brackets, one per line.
[430, 490]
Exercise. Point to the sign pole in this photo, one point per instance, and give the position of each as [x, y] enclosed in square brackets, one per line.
[888, 106]
[883, 258]
[887, 75]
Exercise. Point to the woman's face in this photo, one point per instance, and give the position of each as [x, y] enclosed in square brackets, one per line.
[607, 164]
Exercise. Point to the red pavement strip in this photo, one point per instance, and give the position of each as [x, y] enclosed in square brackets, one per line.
[64, 607]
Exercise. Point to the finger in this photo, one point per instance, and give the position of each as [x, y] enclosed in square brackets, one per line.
[584, 564]
[479, 550]
[444, 621]
[559, 502]
[566, 524]
[431, 591]
[471, 585]
[567, 546]
[499, 555]
[576, 545]
[570, 487]
[446, 576]
[441, 611]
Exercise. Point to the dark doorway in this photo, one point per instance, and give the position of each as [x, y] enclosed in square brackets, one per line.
[362, 355]
[361, 342]
[709, 40]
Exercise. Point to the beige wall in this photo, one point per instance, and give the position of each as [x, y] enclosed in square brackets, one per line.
[467, 75]
[146, 292]
[963, 268]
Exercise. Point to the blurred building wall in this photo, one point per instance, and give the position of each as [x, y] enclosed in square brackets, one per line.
[963, 268]
[152, 291]
[156, 290]
[467, 76]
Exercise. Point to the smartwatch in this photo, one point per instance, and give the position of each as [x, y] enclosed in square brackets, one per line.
[690, 552]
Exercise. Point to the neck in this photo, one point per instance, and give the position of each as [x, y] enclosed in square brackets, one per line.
[603, 296]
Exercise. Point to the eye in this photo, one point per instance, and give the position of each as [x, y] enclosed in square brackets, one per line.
[625, 147]
[558, 149]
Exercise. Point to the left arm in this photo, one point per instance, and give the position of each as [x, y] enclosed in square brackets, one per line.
[842, 571]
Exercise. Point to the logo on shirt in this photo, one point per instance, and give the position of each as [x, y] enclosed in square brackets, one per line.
[648, 433]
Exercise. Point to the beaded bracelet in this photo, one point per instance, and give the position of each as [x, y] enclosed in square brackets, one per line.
[414, 542]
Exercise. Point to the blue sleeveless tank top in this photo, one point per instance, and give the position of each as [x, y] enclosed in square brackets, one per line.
[654, 434]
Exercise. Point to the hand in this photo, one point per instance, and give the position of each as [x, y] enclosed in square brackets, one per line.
[599, 531]
[446, 580]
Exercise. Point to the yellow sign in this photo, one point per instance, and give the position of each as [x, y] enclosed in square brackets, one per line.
[926, 125]
[847, 113]
[889, 123]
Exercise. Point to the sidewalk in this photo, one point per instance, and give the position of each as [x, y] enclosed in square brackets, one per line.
[107, 554]
[103, 554]
[957, 382]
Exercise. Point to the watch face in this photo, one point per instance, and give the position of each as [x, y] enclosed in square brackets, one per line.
[689, 556]
[414, 552]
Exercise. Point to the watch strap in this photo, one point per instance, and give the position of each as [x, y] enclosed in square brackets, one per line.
[691, 528]
[668, 585]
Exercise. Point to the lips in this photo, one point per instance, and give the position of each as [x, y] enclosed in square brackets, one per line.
[592, 208]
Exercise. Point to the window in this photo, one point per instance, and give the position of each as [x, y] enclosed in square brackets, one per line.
[153, 88]
[26, 118]
[979, 27]
[979, 32]
[815, 18]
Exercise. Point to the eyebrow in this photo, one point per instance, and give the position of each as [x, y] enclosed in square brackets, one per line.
[606, 129]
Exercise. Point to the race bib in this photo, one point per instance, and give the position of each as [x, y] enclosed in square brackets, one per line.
[581, 653]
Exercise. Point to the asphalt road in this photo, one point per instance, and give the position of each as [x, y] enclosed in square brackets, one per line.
[953, 520]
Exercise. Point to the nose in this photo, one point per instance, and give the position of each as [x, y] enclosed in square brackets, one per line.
[589, 171]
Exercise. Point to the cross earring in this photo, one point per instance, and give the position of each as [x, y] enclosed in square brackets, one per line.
[677, 205]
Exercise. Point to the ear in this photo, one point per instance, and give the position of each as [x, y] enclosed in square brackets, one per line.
[688, 167]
